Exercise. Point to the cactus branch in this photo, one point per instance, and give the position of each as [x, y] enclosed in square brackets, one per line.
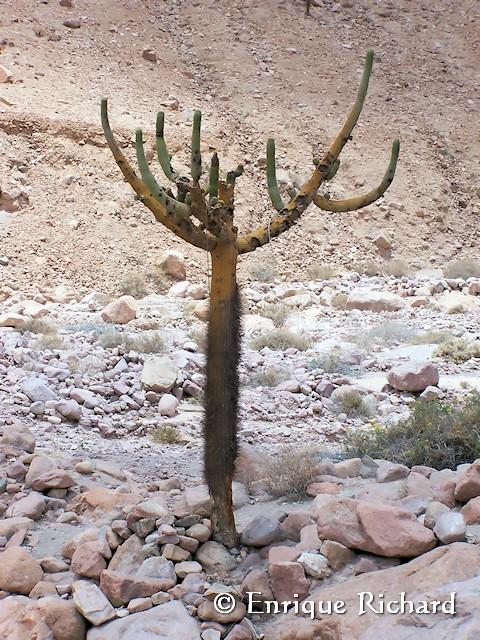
[179, 210]
[273, 190]
[233, 175]
[196, 158]
[162, 151]
[353, 204]
[213, 177]
[184, 228]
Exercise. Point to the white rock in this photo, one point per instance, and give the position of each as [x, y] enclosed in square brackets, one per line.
[159, 374]
[450, 527]
[315, 565]
[167, 405]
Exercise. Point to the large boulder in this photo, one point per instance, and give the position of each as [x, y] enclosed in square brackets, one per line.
[468, 483]
[173, 264]
[413, 376]
[369, 300]
[102, 505]
[169, 621]
[433, 576]
[19, 572]
[120, 311]
[376, 528]
[37, 391]
[19, 436]
[159, 374]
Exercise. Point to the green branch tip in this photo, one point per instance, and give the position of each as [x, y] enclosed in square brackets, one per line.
[273, 190]
[196, 158]
[213, 177]
[163, 156]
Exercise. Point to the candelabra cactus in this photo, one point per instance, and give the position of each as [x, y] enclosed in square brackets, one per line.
[203, 215]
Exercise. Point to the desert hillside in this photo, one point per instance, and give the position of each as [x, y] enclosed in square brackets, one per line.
[256, 69]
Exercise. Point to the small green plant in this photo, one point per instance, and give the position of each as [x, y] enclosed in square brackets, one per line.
[397, 268]
[458, 350]
[332, 362]
[263, 271]
[167, 434]
[39, 325]
[134, 285]
[321, 272]
[436, 433]
[280, 340]
[348, 400]
[465, 268]
[289, 472]
[277, 312]
[270, 377]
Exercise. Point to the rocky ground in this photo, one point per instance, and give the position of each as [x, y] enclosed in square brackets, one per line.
[105, 527]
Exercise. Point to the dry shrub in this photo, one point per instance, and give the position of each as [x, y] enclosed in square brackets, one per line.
[458, 350]
[270, 377]
[397, 268]
[263, 271]
[50, 341]
[146, 342]
[348, 400]
[321, 272]
[134, 285]
[432, 337]
[289, 472]
[464, 268]
[39, 325]
[277, 312]
[167, 434]
[280, 340]
[368, 268]
[339, 300]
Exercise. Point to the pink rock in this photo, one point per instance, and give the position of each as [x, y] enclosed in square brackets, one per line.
[294, 523]
[120, 589]
[256, 581]
[87, 561]
[120, 311]
[316, 488]
[413, 376]
[19, 571]
[468, 483]
[471, 511]
[283, 554]
[288, 581]
[376, 528]
[56, 479]
[32, 506]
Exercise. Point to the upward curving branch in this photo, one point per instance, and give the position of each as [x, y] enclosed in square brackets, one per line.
[325, 169]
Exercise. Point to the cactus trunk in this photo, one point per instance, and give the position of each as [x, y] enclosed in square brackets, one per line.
[221, 400]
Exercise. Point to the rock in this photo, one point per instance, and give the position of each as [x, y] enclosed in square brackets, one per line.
[468, 483]
[208, 611]
[434, 509]
[197, 499]
[46, 619]
[382, 243]
[37, 391]
[389, 472]
[9, 319]
[56, 479]
[120, 311]
[149, 54]
[169, 621]
[128, 557]
[471, 511]
[187, 567]
[348, 468]
[214, 558]
[376, 528]
[256, 581]
[69, 409]
[62, 618]
[120, 589]
[262, 531]
[288, 581]
[72, 23]
[20, 572]
[87, 561]
[450, 527]
[199, 532]
[413, 376]
[10, 526]
[139, 604]
[315, 565]
[5, 76]
[159, 374]
[173, 264]
[202, 310]
[19, 436]
[167, 405]
[432, 576]
[39, 465]
[102, 506]
[32, 506]
[453, 301]
[369, 300]
[337, 554]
